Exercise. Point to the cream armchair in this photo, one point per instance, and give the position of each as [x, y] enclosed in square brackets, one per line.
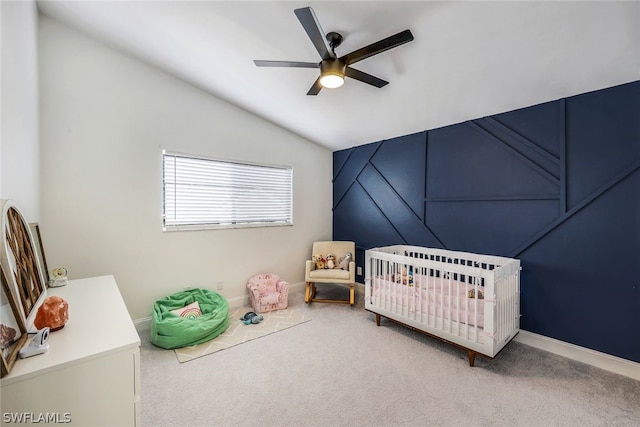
[313, 275]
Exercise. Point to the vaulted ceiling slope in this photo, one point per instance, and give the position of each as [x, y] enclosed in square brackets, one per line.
[468, 59]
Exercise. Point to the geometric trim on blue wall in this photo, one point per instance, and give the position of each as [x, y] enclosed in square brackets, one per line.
[555, 185]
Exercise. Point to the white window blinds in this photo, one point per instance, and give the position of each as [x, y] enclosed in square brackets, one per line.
[208, 193]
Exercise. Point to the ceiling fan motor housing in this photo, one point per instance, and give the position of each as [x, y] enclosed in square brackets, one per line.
[333, 66]
[332, 73]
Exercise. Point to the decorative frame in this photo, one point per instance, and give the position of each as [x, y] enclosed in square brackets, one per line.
[21, 264]
[11, 322]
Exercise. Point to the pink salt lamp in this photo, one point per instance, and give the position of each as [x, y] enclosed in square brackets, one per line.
[54, 313]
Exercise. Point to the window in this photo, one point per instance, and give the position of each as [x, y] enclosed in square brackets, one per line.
[201, 193]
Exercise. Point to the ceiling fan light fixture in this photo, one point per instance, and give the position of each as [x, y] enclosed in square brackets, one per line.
[332, 73]
[331, 81]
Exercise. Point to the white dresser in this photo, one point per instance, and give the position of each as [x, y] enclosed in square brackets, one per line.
[91, 374]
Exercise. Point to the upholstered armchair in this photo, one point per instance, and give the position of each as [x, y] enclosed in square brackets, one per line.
[267, 292]
[316, 273]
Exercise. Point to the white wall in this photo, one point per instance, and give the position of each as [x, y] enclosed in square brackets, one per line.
[19, 142]
[105, 117]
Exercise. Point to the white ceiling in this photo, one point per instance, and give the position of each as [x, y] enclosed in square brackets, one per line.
[468, 60]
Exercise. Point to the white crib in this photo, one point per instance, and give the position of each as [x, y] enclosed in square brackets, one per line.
[467, 299]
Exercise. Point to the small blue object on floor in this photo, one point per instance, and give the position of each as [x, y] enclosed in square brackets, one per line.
[251, 318]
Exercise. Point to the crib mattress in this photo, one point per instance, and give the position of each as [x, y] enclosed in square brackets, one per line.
[431, 296]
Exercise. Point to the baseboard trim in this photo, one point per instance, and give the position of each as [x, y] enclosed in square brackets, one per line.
[600, 360]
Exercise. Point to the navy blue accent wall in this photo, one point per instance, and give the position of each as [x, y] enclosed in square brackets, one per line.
[556, 185]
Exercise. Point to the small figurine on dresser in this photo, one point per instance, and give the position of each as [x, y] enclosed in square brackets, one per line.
[58, 277]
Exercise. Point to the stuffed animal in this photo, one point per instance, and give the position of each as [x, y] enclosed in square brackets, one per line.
[472, 294]
[320, 260]
[331, 261]
[406, 278]
[345, 260]
[410, 278]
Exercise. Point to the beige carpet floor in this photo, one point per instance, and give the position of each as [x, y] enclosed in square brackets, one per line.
[239, 333]
[341, 370]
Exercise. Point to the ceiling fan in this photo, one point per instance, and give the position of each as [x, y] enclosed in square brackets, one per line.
[333, 69]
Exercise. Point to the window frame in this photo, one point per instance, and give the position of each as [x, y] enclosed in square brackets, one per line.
[236, 221]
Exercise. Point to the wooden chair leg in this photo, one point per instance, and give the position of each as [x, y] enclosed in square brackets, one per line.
[310, 295]
[307, 293]
[352, 293]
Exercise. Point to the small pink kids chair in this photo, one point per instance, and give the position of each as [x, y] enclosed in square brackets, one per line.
[267, 292]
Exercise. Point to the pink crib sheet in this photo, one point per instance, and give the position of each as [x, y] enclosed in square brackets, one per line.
[445, 298]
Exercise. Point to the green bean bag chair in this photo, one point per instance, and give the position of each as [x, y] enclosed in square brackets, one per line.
[179, 322]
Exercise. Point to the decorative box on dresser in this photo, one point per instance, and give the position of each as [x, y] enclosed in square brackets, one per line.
[90, 376]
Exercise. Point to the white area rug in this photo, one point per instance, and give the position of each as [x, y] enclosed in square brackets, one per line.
[238, 332]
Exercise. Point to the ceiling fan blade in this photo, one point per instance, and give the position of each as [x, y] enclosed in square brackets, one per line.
[378, 47]
[310, 23]
[295, 64]
[364, 77]
[315, 89]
